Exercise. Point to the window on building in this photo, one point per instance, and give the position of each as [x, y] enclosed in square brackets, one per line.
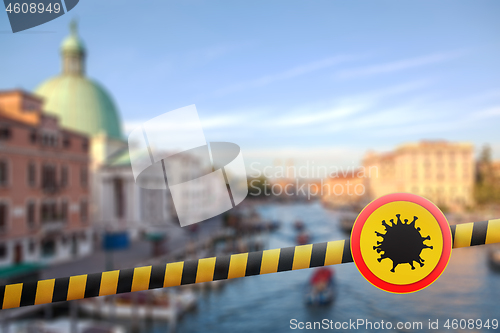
[4, 214]
[5, 132]
[33, 136]
[84, 176]
[64, 176]
[85, 144]
[48, 212]
[3, 251]
[48, 247]
[84, 211]
[66, 141]
[119, 197]
[49, 177]
[4, 170]
[64, 211]
[32, 246]
[30, 214]
[31, 174]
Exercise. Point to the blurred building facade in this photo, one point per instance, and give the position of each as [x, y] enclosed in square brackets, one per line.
[44, 185]
[345, 189]
[81, 104]
[441, 171]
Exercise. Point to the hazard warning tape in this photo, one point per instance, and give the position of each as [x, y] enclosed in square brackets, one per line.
[210, 269]
[476, 233]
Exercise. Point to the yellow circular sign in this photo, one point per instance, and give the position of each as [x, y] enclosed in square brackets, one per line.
[401, 242]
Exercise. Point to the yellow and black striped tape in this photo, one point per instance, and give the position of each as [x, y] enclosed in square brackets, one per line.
[175, 274]
[210, 269]
[476, 233]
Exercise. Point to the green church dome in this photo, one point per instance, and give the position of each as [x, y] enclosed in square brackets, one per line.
[81, 104]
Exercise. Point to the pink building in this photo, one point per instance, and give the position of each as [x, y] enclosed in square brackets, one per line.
[44, 185]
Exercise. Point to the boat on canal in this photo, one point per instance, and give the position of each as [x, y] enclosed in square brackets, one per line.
[64, 325]
[494, 258]
[303, 238]
[153, 304]
[320, 289]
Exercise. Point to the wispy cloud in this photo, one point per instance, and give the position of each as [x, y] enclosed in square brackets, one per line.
[342, 110]
[287, 74]
[399, 65]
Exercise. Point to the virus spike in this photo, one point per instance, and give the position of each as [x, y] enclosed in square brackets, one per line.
[420, 261]
[385, 224]
[382, 256]
[427, 247]
[411, 264]
[414, 219]
[406, 221]
[399, 220]
[426, 238]
[379, 234]
[418, 229]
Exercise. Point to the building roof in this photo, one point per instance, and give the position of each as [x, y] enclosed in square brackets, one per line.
[81, 104]
[120, 158]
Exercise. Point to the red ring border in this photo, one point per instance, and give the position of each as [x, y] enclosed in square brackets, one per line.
[356, 246]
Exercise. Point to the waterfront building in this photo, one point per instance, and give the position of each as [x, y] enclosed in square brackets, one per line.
[44, 185]
[344, 189]
[441, 171]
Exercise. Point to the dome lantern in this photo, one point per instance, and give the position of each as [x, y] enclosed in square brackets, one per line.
[73, 52]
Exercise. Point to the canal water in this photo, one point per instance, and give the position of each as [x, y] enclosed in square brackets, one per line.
[466, 290]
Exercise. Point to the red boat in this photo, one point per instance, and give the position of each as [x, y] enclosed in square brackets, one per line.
[321, 287]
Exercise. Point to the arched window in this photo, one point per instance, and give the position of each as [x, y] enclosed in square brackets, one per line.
[30, 214]
[4, 172]
[4, 214]
[31, 174]
[84, 211]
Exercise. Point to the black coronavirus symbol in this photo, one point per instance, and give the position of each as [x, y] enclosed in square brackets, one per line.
[402, 243]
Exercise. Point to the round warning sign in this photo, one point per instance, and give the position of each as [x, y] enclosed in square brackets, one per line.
[401, 243]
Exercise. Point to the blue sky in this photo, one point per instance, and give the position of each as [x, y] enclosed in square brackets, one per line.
[316, 80]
